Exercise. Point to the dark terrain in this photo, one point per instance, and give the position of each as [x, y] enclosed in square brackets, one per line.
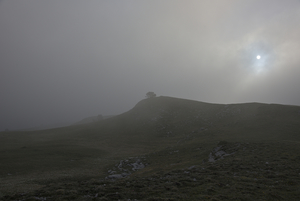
[163, 149]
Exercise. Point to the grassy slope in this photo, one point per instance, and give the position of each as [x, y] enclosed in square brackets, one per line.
[91, 119]
[168, 130]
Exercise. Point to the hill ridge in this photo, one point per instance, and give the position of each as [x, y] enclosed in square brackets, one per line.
[190, 113]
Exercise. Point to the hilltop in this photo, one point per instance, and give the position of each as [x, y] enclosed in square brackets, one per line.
[246, 121]
[162, 139]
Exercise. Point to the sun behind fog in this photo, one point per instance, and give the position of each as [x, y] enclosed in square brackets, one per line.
[258, 57]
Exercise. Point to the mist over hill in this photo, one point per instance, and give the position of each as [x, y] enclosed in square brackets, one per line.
[65, 65]
[93, 119]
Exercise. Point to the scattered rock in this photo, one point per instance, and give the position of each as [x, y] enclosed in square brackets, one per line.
[115, 176]
[126, 168]
[223, 149]
[192, 167]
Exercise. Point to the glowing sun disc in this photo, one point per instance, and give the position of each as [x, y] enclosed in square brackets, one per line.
[258, 57]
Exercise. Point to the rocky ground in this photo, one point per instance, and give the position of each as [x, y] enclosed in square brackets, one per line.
[231, 171]
[126, 168]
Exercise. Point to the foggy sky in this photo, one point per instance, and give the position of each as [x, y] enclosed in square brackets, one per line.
[61, 61]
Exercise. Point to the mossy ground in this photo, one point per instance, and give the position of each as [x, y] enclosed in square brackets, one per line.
[255, 171]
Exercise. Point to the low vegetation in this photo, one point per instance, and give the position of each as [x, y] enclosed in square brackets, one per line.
[163, 149]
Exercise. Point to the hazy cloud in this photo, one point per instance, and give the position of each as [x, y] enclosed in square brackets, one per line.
[65, 60]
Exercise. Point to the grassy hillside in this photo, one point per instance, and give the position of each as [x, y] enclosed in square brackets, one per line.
[169, 135]
[92, 119]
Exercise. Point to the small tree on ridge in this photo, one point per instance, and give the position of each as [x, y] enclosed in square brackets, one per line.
[150, 94]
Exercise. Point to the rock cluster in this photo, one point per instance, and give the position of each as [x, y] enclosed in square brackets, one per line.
[126, 167]
[223, 149]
